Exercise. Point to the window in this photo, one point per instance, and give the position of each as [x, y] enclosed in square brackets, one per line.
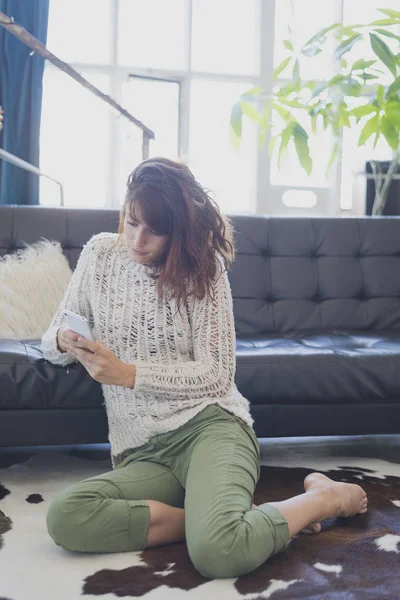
[224, 36]
[162, 62]
[179, 66]
[74, 141]
[229, 174]
[305, 18]
[69, 25]
[161, 115]
[151, 34]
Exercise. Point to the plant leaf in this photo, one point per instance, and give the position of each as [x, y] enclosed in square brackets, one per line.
[296, 71]
[272, 144]
[351, 87]
[250, 111]
[334, 153]
[282, 67]
[380, 92]
[314, 124]
[348, 31]
[317, 37]
[369, 128]
[311, 51]
[362, 111]
[288, 44]
[390, 133]
[318, 89]
[384, 22]
[266, 115]
[367, 76]
[346, 46]
[234, 139]
[390, 12]
[300, 138]
[251, 94]
[286, 134]
[394, 88]
[285, 114]
[383, 52]
[388, 34]
[362, 64]
[344, 120]
[392, 112]
[235, 129]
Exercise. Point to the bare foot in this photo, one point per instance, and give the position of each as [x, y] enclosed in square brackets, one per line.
[310, 530]
[350, 498]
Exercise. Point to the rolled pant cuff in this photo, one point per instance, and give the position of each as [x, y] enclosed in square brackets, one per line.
[139, 524]
[277, 524]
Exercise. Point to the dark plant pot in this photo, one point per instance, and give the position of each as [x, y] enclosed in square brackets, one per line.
[392, 204]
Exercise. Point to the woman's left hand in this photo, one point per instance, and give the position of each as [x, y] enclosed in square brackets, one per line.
[102, 364]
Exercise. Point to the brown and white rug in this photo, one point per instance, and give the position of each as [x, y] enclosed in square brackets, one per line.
[352, 559]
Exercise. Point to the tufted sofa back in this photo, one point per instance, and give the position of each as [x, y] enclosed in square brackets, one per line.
[295, 274]
[291, 274]
[72, 227]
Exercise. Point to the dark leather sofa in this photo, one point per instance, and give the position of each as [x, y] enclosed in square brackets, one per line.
[317, 314]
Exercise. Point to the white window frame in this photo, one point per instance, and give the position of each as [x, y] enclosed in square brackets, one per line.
[265, 18]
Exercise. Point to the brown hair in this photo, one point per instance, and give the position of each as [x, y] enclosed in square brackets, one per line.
[171, 202]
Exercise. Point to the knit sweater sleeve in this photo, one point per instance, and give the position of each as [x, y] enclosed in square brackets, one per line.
[76, 299]
[212, 371]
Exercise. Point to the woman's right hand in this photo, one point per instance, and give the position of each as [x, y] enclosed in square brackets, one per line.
[64, 338]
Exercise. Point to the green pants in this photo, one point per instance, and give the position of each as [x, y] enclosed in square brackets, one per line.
[209, 467]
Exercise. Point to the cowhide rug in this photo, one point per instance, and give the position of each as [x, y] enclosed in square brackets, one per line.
[350, 559]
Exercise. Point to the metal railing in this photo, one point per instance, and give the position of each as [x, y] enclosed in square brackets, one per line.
[23, 164]
[37, 46]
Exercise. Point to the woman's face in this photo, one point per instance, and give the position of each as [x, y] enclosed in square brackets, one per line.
[140, 239]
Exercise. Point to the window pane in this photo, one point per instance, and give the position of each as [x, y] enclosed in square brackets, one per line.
[224, 36]
[80, 31]
[74, 140]
[151, 33]
[307, 17]
[299, 198]
[230, 175]
[156, 104]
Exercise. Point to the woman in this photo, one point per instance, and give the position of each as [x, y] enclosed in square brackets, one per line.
[185, 456]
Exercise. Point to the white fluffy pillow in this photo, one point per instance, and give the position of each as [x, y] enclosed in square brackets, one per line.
[32, 284]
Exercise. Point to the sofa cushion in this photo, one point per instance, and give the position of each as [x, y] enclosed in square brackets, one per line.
[29, 381]
[323, 368]
[320, 368]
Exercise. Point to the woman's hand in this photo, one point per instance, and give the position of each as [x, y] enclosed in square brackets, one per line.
[64, 338]
[101, 363]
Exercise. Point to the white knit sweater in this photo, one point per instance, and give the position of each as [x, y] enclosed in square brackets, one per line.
[184, 361]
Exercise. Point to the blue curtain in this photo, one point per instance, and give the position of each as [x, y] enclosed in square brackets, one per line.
[21, 78]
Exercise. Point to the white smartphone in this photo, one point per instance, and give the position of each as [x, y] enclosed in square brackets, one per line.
[78, 324]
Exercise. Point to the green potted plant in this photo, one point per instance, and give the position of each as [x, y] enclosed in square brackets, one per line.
[365, 91]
